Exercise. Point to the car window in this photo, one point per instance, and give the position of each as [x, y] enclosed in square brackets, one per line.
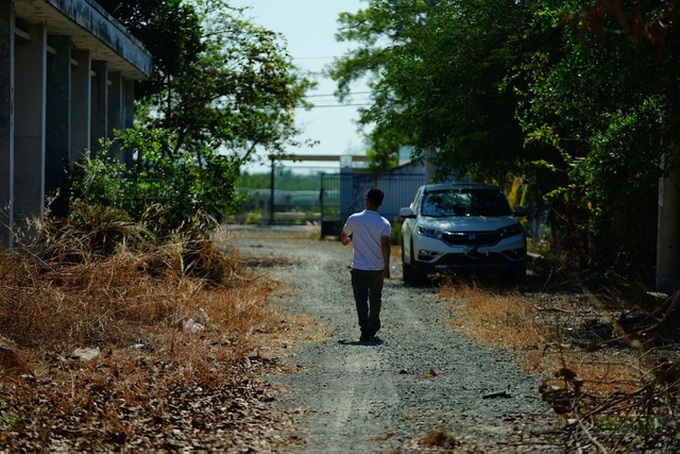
[465, 203]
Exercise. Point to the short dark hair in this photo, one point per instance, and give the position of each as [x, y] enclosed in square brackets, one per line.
[375, 196]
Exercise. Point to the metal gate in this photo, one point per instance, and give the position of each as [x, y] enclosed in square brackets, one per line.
[329, 201]
[343, 194]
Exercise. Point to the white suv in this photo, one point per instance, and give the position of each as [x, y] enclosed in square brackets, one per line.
[462, 227]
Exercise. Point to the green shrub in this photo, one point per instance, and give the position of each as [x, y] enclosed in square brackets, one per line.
[395, 235]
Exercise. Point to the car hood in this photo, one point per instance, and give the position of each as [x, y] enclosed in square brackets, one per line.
[467, 223]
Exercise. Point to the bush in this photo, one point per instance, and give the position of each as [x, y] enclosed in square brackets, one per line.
[184, 187]
[395, 234]
[115, 208]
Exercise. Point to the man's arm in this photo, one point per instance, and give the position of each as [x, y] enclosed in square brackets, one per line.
[386, 249]
[344, 239]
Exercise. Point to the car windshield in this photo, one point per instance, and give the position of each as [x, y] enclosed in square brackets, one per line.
[465, 202]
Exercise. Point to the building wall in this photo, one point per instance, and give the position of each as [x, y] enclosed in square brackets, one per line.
[67, 74]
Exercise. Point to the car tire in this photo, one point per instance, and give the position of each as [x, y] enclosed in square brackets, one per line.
[516, 276]
[406, 270]
[416, 275]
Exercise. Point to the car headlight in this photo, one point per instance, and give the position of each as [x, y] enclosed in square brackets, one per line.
[432, 233]
[511, 230]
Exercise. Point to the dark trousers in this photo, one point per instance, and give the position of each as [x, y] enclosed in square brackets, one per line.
[367, 287]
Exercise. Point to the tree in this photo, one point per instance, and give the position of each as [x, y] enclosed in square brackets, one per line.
[540, 88]
[222, 89]
[170, 29]
[606, 104]
[219, 81]
[655, 24]
[436, 70]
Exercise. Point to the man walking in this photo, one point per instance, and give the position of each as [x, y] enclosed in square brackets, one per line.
[369, 232]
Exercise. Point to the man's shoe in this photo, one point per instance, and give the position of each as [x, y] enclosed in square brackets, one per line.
[364, 337]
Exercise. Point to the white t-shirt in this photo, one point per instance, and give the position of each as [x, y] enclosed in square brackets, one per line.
[367, 228]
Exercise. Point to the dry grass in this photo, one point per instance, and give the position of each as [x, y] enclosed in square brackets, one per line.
[115, 300]
[510, 320]
[150, 375]
[608, 387]
[439, 439]
[501, 319]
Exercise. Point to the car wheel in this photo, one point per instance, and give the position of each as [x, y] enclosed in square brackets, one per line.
[406, 270]
[417, 275]
[516, 275]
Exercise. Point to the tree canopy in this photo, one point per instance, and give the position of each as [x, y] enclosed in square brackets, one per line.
[435, 70]
[220, 83]
[577, 96]
[222, 89]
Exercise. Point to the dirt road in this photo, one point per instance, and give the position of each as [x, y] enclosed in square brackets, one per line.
[418, 377]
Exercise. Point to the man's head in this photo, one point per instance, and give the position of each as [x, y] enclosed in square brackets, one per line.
[375, 197]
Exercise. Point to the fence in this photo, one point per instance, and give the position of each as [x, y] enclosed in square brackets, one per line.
[343, 194]
[289, 206]
[340, 195]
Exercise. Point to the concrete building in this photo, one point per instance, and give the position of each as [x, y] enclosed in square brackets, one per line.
[67, 74]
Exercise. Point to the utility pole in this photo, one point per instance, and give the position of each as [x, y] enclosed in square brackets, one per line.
[271, 193]
[668, 230]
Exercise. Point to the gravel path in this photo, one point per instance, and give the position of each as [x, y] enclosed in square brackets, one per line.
[418, 376]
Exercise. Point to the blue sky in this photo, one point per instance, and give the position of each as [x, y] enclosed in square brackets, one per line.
[309, 27]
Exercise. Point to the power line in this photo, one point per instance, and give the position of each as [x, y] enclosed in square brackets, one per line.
[333, 94]
[341, 105]
[313, 58]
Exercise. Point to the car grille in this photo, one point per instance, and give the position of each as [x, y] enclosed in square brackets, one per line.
[475, 260]
[471, 238]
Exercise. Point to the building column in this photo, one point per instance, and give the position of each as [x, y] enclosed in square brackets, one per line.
[128, 116]
[81, 93]
[29, 127]
[116, 110]
[58, 127]
[99, 103]
[6, 122]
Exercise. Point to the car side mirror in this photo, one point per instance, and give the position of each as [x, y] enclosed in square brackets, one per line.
[406, 212]
[521, 211]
